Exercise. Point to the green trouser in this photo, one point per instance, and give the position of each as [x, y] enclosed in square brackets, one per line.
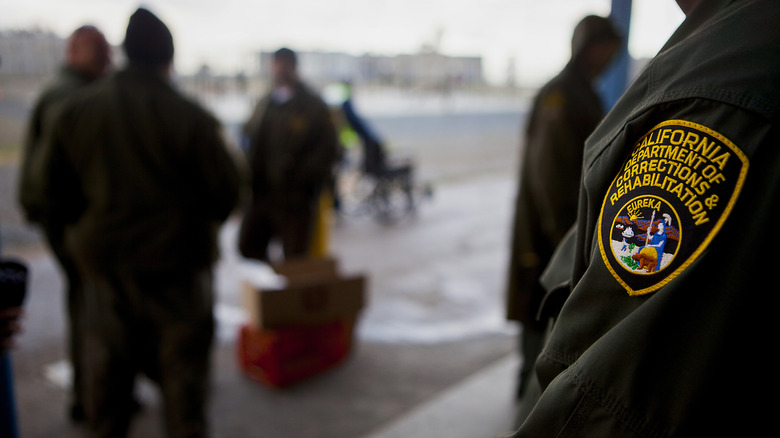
[156, 323]
[290, 217]
[54, 237]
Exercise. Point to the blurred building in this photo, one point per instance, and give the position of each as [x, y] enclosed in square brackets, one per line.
[25, 52]
[428, 69]
[36, 53]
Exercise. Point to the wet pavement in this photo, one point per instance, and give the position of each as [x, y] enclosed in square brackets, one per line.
[432, 354]
[432, 323]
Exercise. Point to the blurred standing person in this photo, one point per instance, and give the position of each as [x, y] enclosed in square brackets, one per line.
[293, 148]
[565, 111]
[144, 180]
[87, 59]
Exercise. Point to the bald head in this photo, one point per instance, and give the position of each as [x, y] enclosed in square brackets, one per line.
[88, 52]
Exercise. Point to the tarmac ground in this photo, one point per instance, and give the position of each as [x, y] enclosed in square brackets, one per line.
[432, 325]
[432, 354]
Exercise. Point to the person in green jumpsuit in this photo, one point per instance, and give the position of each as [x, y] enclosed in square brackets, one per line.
[87, 59]
[565, 111]
[677, 344]
[143, 179]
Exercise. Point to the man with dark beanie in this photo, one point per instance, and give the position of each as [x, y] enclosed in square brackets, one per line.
[144, 180]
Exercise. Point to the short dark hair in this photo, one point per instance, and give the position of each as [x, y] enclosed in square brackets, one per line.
[286, 55]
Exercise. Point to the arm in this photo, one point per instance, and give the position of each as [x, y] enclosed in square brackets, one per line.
[554, 165]
[28, 194]
[10, 326]
[60, 181]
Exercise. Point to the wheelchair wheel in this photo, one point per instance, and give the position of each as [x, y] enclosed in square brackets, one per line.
[355, 191]
[392, 200]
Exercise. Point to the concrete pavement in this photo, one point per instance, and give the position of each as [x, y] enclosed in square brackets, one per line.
[432, 354]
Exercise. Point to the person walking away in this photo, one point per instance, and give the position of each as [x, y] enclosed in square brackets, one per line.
[143, 179]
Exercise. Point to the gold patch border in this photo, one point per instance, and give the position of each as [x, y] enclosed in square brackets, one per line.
[705, 243]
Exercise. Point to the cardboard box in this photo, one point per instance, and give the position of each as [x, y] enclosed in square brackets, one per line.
[281, 357]
[305, 270]
[315, 293]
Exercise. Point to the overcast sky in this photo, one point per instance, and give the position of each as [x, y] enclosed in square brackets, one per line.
[533, 34]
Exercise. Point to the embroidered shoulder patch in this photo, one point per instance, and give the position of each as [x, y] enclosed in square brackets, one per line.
[667, 203]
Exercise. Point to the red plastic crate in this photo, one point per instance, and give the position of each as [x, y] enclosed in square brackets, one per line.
[283, 356]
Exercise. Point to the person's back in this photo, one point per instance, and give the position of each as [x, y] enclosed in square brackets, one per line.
[144, 179]
[155, 183]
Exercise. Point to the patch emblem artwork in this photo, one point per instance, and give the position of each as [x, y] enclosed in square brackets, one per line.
[667, 203]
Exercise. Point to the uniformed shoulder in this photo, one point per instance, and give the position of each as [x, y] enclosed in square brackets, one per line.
[570, 87]
[554, 85]
[139, 84]
[726, 60]
[71, 101]
[721, 60]
[310, 98]
[60, 88]
[194, 109]
[92, 97]
[186, 107]
[552, 95]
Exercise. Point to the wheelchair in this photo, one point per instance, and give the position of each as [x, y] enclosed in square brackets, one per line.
[378, 187]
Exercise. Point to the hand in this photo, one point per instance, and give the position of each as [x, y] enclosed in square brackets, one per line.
[10, 325]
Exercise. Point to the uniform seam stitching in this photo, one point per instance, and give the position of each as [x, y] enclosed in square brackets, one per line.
[614, 407]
